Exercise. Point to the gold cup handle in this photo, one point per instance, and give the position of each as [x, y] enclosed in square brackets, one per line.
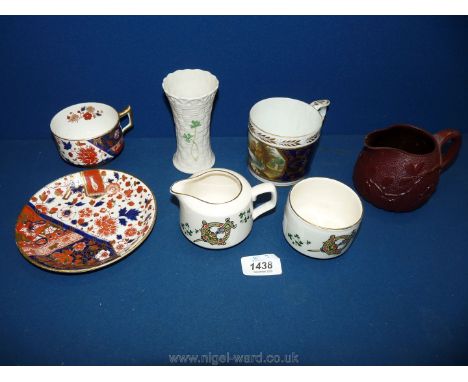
[127, 112]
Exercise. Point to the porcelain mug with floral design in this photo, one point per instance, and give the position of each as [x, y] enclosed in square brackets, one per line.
[282, 138]
[89, 134]
[321, 217]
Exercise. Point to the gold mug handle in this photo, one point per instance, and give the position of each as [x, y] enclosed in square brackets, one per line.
[127, 112]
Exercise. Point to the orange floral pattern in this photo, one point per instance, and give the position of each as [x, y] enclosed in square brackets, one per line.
[85, 231]
[86, 212]
[103, 255]
[131, 231]
[42, 208]
[85, 112]
[79, 246]
[107, 225]
[63, 257]
[88, 155]
[93, 151]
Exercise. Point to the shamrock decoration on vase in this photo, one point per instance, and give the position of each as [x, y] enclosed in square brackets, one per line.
[191, 94]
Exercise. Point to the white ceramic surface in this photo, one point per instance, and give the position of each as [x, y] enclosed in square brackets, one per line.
[191, 93]
[321, 217]
[287, 123]
[216, 207]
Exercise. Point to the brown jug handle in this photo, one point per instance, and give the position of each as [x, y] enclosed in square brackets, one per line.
[442, 137]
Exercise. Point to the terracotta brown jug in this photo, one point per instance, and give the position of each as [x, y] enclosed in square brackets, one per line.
[399, 167]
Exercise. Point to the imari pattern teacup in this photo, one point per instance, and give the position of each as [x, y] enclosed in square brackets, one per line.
[89, 134]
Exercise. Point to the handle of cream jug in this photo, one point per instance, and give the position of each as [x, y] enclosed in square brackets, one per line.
[321, 106]
[267, 206]
[444, 137]
[127, 112]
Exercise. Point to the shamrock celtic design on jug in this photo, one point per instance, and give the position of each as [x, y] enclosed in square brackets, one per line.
[216, 207]
[213, 233]
[216, 233]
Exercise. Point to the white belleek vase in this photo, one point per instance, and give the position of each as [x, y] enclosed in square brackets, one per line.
[191, 93]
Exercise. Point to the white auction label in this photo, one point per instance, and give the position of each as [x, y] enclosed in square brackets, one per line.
[261, 265]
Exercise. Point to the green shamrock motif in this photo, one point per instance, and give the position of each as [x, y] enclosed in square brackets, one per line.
[186, 229]
[195, 124]
[334, 245]
[191, 139]
[245, 216]
[295, 239]
[188, 137]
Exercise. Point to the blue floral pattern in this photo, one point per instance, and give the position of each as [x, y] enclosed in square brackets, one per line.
[120, 217]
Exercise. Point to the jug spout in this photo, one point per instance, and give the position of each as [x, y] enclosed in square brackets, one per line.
[215, 186]
[178, 189]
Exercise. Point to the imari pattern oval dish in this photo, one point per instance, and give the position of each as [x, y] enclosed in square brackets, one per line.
[85, 221]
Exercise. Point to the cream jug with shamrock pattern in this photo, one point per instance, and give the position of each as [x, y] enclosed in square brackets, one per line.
[216, 207]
